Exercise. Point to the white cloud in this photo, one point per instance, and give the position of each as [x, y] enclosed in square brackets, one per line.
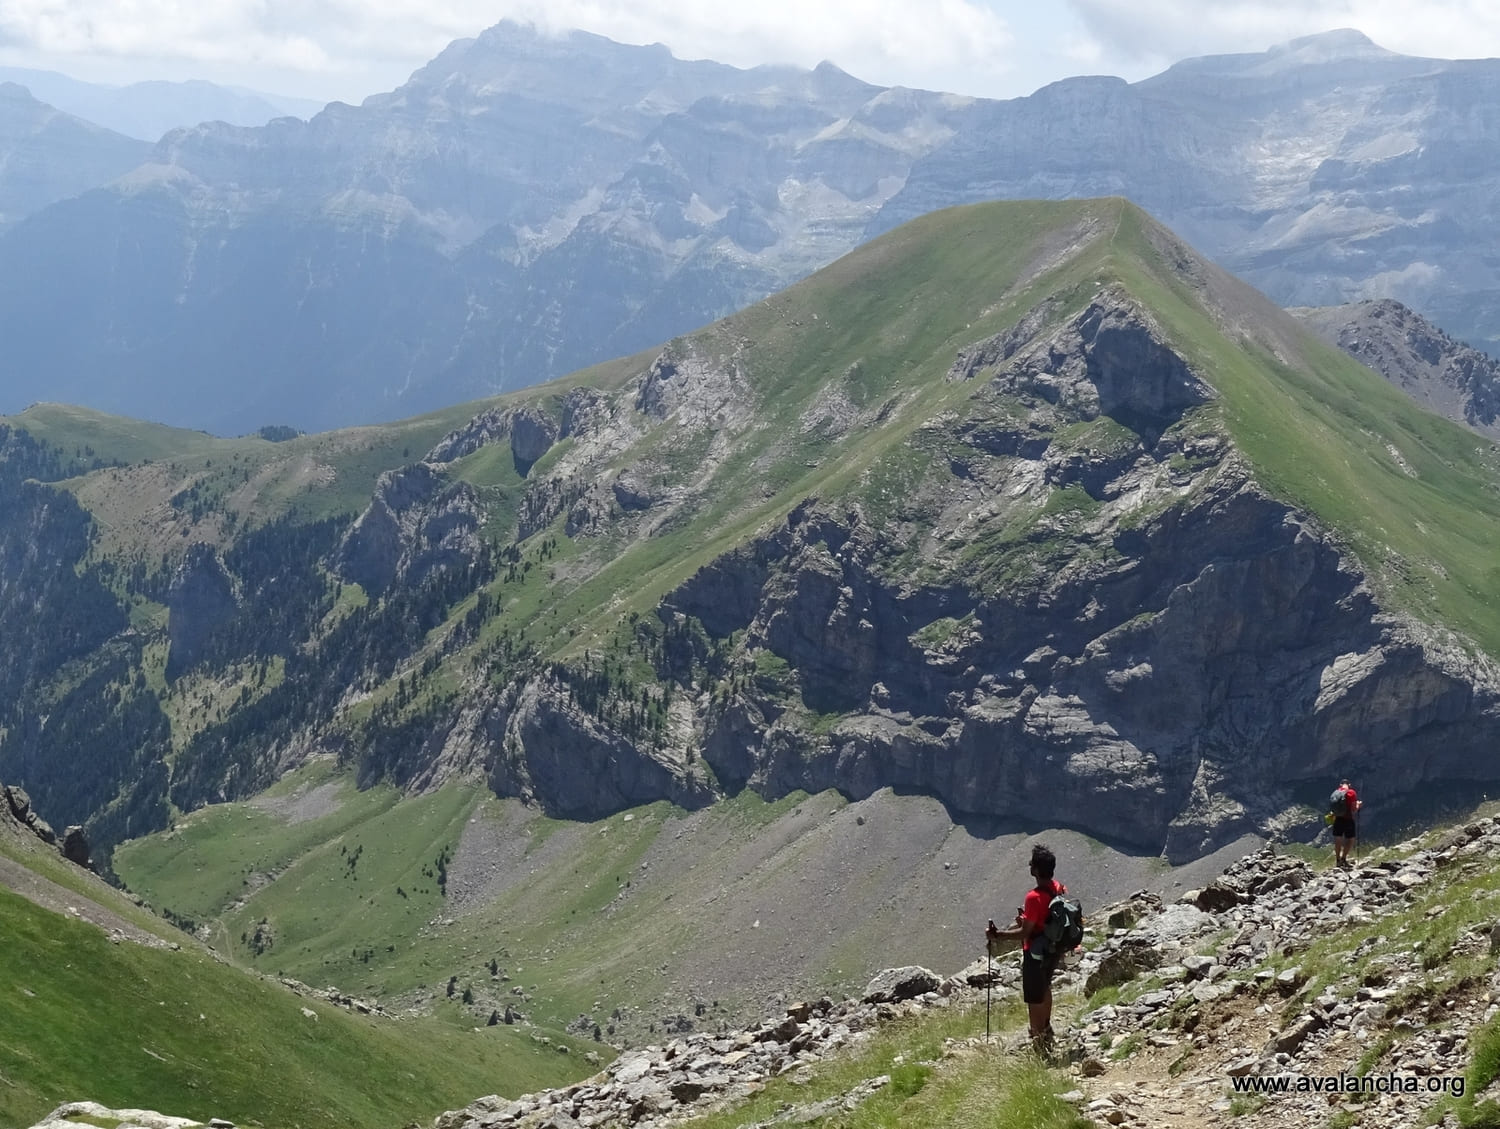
[1162, 31]
[349, 48]
[912, 42]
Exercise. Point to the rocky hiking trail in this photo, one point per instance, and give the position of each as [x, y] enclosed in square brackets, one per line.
[1277, 969]
[1280, 971]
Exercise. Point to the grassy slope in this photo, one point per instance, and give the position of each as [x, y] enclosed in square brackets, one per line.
[134, 1026]
[654, 909]
[350, 926]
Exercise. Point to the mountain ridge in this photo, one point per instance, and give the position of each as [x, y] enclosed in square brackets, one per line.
[49, 155]
[147, 110]
[1448, 377]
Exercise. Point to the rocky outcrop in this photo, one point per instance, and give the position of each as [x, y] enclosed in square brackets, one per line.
[16, 812]
[20, 808]
[202, 598]
[75, 847]
[698, 1073]
[418, 523]
[697, 389]
[1110, 361]
[1443, 375]
[547, 749]
[532, 434]
[530, 431]
[72, 1114]
[487, 427]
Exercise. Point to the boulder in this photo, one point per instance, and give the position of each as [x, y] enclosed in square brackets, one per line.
[75, 846]
[895, 984]
[1133, 956]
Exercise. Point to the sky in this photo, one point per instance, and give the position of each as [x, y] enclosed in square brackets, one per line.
[347, 49]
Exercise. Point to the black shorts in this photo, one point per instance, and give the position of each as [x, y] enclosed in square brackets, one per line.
[1036, 978]
[1343, 827]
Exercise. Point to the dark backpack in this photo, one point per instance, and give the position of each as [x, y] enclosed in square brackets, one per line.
[1063, 931]
[1338, 803]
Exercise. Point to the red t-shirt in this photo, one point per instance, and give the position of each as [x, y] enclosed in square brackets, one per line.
[1034, 909]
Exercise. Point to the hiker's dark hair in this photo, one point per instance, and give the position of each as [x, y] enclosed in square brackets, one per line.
[1043, 862]
[1344, 783]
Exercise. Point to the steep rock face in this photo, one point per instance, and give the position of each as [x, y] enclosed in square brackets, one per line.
[533, 741]
[1443, 375]
[531, 436]
[202, 598]
[579, 769]
[419, 523]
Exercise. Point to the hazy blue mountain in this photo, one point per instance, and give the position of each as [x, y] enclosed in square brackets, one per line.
[147, 110]
[47, 155]
[526, 205]
[1325, 171]
[522, 207]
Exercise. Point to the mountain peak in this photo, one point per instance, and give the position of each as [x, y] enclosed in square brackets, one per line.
[15, 92]
[1337, 45]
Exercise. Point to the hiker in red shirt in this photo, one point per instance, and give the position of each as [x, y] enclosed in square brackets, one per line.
[1036, 972]
[1345, 825]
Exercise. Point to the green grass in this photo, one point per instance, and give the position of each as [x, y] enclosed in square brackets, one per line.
[177, 1030]
[573, 922]
[985, 1089]
[208, 860]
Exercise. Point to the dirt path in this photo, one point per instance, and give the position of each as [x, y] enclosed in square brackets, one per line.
[59, 899]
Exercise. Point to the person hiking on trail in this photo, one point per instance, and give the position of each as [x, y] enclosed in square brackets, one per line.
[1345, 824]
[1037, 964]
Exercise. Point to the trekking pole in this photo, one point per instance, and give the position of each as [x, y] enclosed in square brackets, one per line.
[989, 983]
[1356, 828]
[989, 977]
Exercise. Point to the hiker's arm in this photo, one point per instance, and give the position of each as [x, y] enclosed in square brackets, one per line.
[1019, 932]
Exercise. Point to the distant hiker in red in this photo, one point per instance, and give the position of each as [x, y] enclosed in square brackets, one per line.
[1344, 804]
[1037, 963]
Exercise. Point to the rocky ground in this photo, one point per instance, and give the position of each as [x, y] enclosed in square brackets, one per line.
[1276, 971]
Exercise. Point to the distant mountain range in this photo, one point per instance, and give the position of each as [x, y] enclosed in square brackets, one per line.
[147, 110]
[47, 155]
[527, 205]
